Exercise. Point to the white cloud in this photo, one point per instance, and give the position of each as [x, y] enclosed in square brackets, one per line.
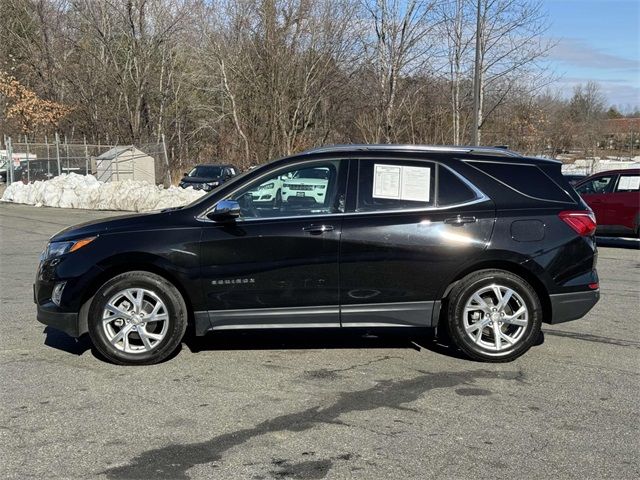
[580, 54]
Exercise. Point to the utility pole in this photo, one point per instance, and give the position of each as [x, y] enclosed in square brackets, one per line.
[475, 134]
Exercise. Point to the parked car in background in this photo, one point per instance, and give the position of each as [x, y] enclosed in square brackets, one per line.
[573, 178]
[480, 243]
[614, 197]
[307, 185]
[269, 192]
[208, 177]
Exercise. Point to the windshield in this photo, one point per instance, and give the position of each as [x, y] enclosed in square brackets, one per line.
[321, 173]
[205, 171]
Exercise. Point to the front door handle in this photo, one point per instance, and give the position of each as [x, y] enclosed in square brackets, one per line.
[318, 229]
[459, 220]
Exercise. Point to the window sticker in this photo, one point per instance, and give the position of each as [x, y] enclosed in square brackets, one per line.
[402, 182]
[629, 182]
[386, 181]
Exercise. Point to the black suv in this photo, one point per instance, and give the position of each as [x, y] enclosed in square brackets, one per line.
[207, 177]
[482, 243]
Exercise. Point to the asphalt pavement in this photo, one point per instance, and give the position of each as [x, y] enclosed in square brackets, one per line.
[312, 405]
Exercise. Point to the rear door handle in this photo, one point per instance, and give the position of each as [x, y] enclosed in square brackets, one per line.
[318, 229]
[457, 221]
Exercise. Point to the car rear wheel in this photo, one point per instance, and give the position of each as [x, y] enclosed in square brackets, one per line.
[137, 318]
[494, 316]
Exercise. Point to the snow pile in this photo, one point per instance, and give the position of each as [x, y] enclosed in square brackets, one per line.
[589, 166]
[80, 191]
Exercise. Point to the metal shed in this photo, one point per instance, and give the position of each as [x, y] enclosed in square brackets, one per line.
[125, 163]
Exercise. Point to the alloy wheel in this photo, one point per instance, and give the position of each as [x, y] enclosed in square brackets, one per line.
[135, 320]
[496, 318]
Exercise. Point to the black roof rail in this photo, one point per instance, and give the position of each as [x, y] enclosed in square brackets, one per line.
[415, 148]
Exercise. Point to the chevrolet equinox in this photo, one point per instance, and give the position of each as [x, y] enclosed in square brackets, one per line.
[481, 243]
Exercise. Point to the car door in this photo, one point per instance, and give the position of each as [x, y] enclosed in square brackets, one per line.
[595, 193]
[277, 265]
[412, 224]
[624, 202]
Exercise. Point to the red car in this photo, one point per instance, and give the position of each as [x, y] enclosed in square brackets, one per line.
[614, 197]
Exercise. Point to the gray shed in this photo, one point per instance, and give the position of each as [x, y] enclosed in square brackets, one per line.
[125, 163]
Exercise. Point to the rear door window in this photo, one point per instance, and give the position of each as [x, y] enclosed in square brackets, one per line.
[628, 183]
[385, 184]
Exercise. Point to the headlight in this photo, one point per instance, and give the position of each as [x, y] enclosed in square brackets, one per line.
[213, 184]
[266, 186]
[319, 187]
[55, 249]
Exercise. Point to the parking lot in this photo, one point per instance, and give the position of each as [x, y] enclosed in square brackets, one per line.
[311, 405]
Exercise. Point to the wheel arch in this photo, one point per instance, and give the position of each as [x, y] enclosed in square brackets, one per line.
[512, 267]
[116, 268]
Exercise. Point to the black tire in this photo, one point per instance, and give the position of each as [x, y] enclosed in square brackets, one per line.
[175, 307]
[278, 200]
[473, 283]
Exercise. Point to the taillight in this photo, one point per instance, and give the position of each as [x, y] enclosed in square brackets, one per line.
[582, 221]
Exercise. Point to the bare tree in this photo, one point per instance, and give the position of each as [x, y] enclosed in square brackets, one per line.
[457, 30]
[248, 80]
[510, 41]
[399, 47]
[587, 110]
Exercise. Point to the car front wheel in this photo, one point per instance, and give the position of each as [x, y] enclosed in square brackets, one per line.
[137, 318]
[494, 316]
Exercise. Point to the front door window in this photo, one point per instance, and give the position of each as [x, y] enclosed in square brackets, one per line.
[596, 186]
[310, 189]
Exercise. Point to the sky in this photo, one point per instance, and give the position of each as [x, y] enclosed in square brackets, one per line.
[597, 40]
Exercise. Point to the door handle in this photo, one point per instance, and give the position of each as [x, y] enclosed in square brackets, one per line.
[318, 229]
[459, 221]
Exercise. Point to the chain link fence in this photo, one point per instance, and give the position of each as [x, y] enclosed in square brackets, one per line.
[28, 161]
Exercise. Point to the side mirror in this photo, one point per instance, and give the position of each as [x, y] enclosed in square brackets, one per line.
[225, 210]
[186, 174]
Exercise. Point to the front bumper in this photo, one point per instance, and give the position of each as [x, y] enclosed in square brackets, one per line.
[572, 306]
[49, 314]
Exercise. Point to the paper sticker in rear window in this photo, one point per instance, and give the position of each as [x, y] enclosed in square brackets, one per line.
[629, 183]
[401, 182]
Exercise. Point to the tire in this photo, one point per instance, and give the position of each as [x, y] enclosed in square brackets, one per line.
[278, 200]
[137, 318]
[481, 328]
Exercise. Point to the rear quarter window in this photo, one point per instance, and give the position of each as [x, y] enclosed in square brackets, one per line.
[528, 180]
[452, 190]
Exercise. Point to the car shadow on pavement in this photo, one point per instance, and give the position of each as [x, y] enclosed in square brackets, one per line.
[61, 341]
[78, 346]
[313, 339]
[285, 339]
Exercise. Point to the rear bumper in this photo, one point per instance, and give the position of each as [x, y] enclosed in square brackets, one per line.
[572, 306]
[50, 315]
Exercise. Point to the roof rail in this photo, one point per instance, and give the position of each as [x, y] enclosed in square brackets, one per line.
[415, 148]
